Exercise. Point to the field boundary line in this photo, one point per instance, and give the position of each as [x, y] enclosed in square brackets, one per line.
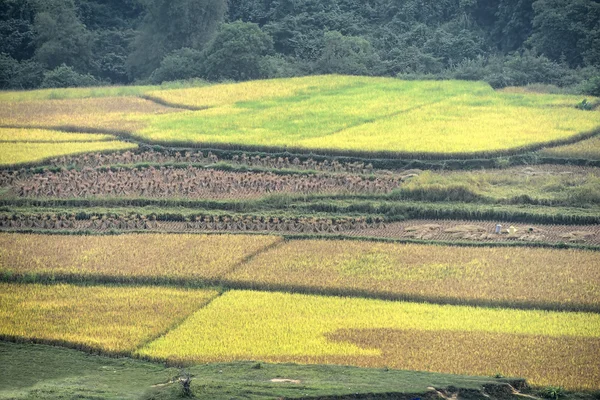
[170, 104]
[223, 286]
[408, 298]
[115, 139]
[175, 324]
[387, 116]
[451, 161]
[253, 255]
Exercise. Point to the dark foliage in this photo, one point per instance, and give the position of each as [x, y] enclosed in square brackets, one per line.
[504, 42]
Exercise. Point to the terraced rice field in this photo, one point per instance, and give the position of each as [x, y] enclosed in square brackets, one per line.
[152, 257]
[15, 153]
[371, 114]
[586, 149]
[109, 319]
[104, 114]
[306, 189]
[245, 325]
[515, 277]
[378, 115]
[477, 275]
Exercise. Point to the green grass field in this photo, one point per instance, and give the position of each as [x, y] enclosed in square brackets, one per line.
[44, 372]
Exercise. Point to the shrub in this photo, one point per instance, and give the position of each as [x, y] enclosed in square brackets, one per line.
[179, 65]
[65, 76]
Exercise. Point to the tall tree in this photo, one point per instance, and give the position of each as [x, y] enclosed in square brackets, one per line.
[60, 36]
[237, 52]
[567, 30]
[173, 24]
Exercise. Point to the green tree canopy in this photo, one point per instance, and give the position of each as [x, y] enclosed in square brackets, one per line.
[238, 52]
[170, 25]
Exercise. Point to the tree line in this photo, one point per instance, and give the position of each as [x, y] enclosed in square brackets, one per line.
[61, 43]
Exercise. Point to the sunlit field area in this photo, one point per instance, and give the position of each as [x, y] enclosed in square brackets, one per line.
[324, 114]
[108, 319]
[14, 153]
[437, 230]
[516, 277]
[245, 325]
[374, 114]
[128, 257]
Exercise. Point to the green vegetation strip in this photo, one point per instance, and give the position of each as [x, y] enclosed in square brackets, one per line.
[178, 210]
[38, 371]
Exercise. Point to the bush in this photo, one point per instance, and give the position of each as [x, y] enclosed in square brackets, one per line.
[515, 70]
[348, 55]
[65, 76]
[592, 86]
[238, 53]
[26, 74]
[179, 65]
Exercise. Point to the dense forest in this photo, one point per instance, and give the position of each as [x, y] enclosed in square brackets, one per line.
[60, 43]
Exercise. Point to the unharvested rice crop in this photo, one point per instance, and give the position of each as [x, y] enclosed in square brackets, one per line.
[370, 114]
[20, 153]
[512, 276]
[586, 149]
[271, 89]
[106, 114]
[75, 93]
[246, 325]
[146, 257]
[544, 360]
[109, 319]
[325, 113]
[49, 136]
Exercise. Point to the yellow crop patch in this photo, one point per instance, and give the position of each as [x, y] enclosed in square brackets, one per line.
[246, 325]
[532, 276]
[19, 153]
[49, 136]
[109, 319]
[340, 113]
[128, 257]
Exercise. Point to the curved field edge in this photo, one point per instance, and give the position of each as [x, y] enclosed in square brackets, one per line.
[351, 88]
[15, 154]
[556, 101]
[541, 155]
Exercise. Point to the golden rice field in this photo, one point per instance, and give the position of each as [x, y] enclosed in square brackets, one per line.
[13, 153]
[247, 325]
[148, 257]
[49, 136]
[323, 113]
[110, 319]
[74, 93]
[370, 114]
[108, 114]
[587, 149]
[511, 276]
